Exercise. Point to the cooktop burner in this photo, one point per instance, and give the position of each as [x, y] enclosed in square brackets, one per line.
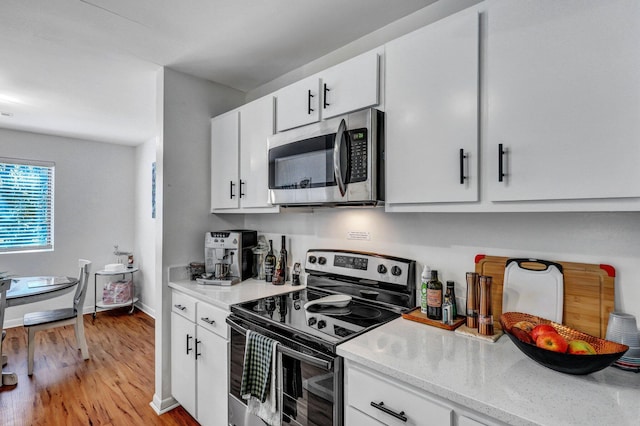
[381, 287]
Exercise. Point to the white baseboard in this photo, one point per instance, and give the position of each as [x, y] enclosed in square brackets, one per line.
[163, 406]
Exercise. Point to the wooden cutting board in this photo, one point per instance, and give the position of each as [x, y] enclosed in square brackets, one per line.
[589, 292]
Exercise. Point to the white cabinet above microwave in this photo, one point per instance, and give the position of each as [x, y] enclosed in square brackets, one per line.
[346, 87]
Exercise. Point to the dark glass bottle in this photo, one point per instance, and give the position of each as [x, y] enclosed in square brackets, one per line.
[269, 263]
[434, 297]
[285, 256]
[279, 272]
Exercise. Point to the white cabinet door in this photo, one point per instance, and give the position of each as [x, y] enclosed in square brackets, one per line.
[432, 113]
[225, 191]
[256, 125]
[298, 104]
[212, 390]
[563, 99]
[183, 366]
[351, 85]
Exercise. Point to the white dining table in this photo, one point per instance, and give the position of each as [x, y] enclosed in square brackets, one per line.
[26, 290]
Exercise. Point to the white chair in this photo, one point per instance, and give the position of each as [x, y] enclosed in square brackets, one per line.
[37, 321]
[7, 379]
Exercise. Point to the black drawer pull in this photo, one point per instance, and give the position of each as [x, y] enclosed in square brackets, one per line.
[231, 185]
[188, 348]
[384, 409]
[326, 89]
[182, 308]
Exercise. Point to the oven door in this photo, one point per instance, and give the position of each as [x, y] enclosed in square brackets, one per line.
[309, 383]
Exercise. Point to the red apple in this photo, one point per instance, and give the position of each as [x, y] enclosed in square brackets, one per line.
[541, 329]
[580, 347]
[552, 341]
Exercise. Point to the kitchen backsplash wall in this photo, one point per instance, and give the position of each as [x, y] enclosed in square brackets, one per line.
[449, 242]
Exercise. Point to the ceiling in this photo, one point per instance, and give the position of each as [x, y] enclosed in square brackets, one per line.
[87, 68]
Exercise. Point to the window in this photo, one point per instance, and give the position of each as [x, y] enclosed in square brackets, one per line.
[26, 205]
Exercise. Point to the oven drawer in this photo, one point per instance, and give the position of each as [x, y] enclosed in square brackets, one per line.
[391, 404]
[213, 319]
[183, 305]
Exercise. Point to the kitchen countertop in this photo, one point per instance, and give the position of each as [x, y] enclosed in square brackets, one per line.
[225, 296]
[495, 379]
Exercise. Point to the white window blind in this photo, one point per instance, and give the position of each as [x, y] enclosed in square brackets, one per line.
[26, 205]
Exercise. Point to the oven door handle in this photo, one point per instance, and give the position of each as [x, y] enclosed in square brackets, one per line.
[309, 359]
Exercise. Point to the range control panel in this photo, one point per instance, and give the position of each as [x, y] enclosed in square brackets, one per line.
[362, 265]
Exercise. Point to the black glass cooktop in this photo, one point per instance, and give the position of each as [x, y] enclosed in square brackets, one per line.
[326, 322]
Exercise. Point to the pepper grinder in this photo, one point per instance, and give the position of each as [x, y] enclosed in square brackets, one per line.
[472, 300]
[485, 321]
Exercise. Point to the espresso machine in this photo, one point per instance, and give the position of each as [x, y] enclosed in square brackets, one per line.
[228, 258]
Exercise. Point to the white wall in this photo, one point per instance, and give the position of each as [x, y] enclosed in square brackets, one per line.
[145, 232]
[449, 242]
[184, 174]
[94, 209]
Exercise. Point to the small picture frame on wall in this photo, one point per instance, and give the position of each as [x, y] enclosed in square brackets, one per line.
[153, 190]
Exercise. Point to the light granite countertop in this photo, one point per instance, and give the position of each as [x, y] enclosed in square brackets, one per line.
[225, 296]
[495, 379]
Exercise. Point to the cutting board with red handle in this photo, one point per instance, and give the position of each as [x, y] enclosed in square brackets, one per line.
[589, 292]
[535, 287]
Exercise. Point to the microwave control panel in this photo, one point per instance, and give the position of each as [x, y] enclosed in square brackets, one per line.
[358, 155]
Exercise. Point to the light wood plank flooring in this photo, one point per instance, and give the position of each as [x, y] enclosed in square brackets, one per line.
[114, 387]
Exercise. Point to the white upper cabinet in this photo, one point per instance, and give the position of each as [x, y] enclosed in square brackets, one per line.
[431, 105]
[346, 87]
[563, 100]
[298, 104]
[239, 159]
[256, 125]
[351, 85]
[225, 134]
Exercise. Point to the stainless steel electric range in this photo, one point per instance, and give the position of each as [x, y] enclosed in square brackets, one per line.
[347, 294]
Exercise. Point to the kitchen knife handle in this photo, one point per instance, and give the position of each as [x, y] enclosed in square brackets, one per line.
[384, 409]
[324, 100]
[309, 96]
[462, 158]
[231, 185]
[501, 153]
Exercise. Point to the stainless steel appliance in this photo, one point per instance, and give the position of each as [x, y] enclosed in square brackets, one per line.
[339, 161]
[228, 258]
[347, 294]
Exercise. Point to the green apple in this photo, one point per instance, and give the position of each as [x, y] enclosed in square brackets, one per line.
[580, 347]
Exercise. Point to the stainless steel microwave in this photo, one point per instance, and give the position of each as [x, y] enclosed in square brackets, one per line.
[334, 162]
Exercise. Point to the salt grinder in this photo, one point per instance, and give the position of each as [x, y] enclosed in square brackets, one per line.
[472, 300]
[485, 321]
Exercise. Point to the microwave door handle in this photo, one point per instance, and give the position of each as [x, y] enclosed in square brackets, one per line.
[337, 167]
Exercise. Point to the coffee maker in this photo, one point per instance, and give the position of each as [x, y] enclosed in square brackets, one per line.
[228, 258]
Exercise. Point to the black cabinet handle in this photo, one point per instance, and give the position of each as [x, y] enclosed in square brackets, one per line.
[188, 348]
[324, 101]
[198, 353]
[242, 194]
[309, 96]
[462, 158]
[501, 153]
[384, 409]
[231, 185]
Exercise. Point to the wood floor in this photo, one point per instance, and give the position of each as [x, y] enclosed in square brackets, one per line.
[114, 387]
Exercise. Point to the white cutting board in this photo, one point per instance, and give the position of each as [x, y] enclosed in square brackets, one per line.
[536, 292]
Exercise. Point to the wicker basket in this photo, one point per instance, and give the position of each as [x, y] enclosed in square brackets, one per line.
[607, 351]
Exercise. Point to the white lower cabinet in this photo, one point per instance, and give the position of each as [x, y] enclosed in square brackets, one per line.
[199, 359]
[372, 398]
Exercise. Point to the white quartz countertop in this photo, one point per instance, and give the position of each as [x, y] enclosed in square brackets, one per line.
[225, 296]
[495, 379]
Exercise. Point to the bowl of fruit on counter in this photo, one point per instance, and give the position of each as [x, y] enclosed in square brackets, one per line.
[559, 347]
